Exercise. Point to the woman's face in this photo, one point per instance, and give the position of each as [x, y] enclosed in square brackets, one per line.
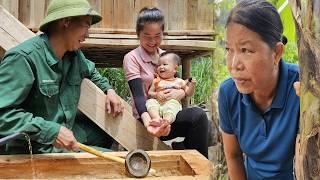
[151, 37]
[251, 63]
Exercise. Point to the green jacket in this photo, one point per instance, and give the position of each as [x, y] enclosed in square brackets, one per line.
[39, 93]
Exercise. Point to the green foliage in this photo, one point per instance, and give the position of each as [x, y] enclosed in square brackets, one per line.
[287, 20]
[291, 53]
[219, 69]
[201, 70]
[117, 80]
[291, 50]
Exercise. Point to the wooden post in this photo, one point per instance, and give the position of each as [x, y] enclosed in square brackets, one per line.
[186, 64]
[307, 19]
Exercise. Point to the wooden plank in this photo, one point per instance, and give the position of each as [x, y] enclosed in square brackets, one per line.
[177, 16]
[96, 5]
[139, 4]
[168, 32]
[192, 15]
[12, 6]
[184, 165]
[190, 32]
[125, 129]
[12, 32]
[166, 44]
[164, 7]
[32, 12]
[107, 13]
[37, 12]
[24, 12]
[166, 37]
[205, 15]
[123, 17]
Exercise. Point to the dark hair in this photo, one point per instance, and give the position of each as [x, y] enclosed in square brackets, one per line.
[149, 15]
[176, 58]
[261, 17]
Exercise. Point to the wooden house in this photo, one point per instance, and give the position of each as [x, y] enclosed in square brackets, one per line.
[188, 28]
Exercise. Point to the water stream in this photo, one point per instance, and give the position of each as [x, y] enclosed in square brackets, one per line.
[31, 155]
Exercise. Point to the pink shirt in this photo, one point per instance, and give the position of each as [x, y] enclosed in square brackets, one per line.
[138, 64]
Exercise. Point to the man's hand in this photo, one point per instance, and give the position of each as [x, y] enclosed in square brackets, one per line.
[114, 105]
[159, 129]
[296, 86]
[66, 140]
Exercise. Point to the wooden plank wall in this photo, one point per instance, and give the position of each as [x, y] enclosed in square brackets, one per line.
[122, 14]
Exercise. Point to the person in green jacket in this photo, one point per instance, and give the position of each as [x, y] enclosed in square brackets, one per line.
[40, 84]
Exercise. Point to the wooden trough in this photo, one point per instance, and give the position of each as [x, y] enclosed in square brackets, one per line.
[169, 165]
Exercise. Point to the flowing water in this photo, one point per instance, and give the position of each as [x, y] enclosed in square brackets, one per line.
[31, 155]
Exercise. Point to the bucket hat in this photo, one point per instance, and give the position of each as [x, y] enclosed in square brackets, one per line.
[59, 9]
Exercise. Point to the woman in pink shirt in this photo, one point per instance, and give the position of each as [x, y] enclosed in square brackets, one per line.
[140, 66]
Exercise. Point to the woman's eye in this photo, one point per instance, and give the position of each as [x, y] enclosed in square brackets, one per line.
[245, 50]
[227, 49]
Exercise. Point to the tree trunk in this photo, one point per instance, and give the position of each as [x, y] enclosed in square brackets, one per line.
[307, 19]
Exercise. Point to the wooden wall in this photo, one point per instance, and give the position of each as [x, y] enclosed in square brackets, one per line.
[121, 14]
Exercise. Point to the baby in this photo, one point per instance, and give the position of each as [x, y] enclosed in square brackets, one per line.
[158, 106]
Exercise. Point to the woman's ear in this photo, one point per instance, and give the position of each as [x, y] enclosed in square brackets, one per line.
[278, 52]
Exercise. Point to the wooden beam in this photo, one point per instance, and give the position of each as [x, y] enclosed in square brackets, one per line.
[186, 63]
[168, 32]
[125, 129]
[12, 31]
[166, 44]
[12, 6]
[165, 37]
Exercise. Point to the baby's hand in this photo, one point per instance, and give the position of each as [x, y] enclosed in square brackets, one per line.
[155, 123]
[192, 81]
[160, 96]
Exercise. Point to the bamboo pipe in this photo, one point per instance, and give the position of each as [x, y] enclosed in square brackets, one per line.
[100, 154]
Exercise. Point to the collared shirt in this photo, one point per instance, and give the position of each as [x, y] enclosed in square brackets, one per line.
[266, 138]
[39, 92]
[138, 64]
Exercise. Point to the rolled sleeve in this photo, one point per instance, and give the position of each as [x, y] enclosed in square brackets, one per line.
[224, 117]
[131, 67]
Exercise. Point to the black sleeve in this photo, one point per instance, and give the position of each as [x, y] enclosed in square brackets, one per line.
[138, 95]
